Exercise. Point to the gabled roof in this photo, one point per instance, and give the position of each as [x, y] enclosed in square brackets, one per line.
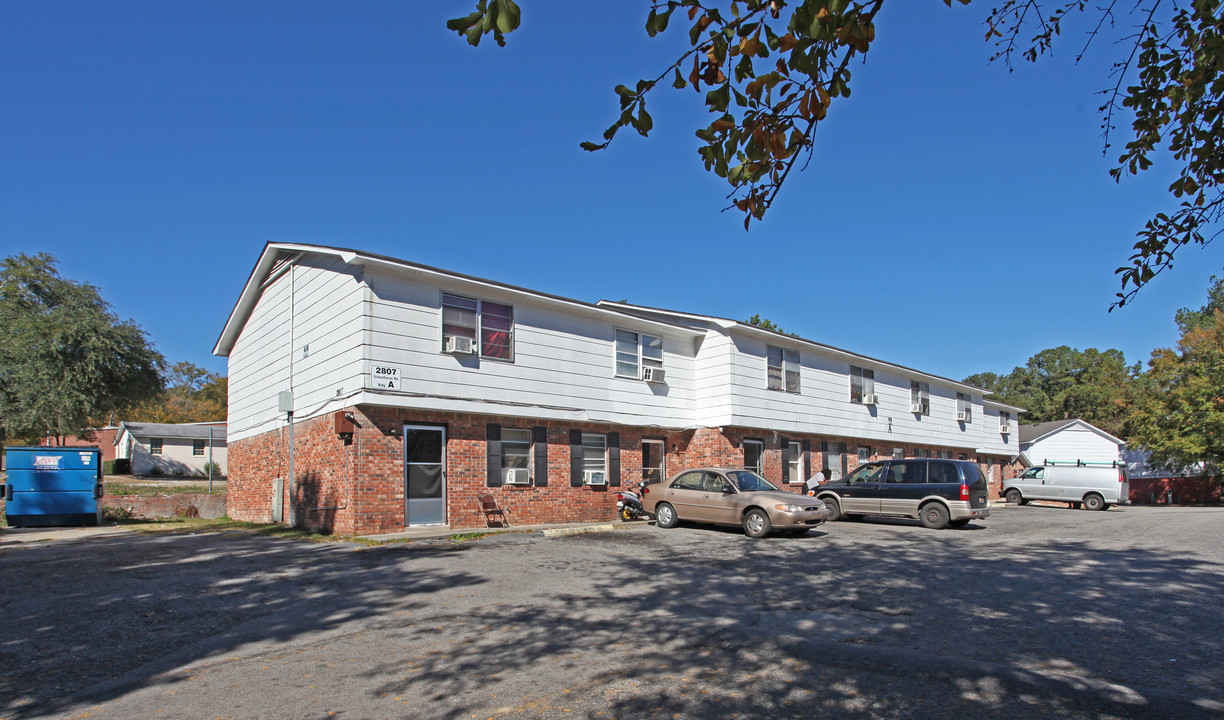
[751, 329]
[278, 257]
[1033, 432]
[191, 431]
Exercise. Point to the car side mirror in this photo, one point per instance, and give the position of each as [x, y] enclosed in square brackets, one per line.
[728, 490]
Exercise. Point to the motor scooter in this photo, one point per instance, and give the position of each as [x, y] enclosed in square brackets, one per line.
[629, 503]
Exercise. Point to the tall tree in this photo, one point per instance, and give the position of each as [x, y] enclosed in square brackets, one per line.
[1179, 416]
[1063, 383]
[192, 394]
[772, 69]
[64, 356]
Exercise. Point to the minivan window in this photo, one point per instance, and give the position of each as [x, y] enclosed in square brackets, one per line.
[907, 472]
[866, 474]
[973, 474]
[944, 472]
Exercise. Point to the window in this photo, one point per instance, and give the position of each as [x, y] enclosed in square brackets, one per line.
[898, 453]
[155, 446]
[652, 460]
[921, 453]
[796, 462]
[920, 397]
[197, 448]
[1004, 421]
[753, 451]
[635, 351]
[964, 407]
[490, 323]
[862, 382]
[783, 369]
[516, 448]
[864, 453]
[907, 472]
[1036, 473]
[689, 481]
[943, 472]
[594, 452]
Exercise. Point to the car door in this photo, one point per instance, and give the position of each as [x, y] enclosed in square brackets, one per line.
[902, 486]
[717, 501]
[860, 491]
[683, 494]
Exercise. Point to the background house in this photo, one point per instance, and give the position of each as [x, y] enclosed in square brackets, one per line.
[1068, 441]
[412, 390]
[174, 449]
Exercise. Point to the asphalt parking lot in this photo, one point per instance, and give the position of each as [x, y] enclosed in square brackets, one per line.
[1033, 612]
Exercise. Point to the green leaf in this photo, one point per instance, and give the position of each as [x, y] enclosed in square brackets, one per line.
[508, 15]
[679, 82]
[718, 98]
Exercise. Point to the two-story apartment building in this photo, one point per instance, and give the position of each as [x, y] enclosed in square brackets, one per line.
[413, 390]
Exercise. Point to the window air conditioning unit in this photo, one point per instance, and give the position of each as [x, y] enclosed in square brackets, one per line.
[869, 399]
[652, 374]
[915, 407]
[516, 476]
[594, 477]
[1005, 429]
[459, 345]
[962, 416]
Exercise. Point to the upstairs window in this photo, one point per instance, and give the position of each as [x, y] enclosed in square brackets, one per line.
[783, 369]
[1004, 422]
[862, 382]
[635, 351]
[488, 327]
[920, 397]
[964, 407]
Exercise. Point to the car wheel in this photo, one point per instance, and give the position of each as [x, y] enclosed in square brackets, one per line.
[665, 516]
[756, 523]
[835, 512]
[933, 515]
[1015, 498]
[1092, 501]
[958, 523]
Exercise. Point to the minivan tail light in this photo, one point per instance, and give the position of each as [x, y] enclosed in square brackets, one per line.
[964, 491]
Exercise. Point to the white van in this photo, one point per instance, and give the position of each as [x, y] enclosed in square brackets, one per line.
[1095, 487]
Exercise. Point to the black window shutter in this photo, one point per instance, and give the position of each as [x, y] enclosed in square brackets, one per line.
[614, 459]
[845, 456]
[539, 442]
[575, 458]
[494, 454]
[807, 457]
[824, 454]
[786, 458]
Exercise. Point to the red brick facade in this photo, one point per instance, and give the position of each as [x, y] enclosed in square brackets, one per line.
[356, 487]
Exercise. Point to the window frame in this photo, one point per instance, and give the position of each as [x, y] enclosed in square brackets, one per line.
[760, 446]
[157, 446]
[787, 370]
[662, 468]
[798, 473]
[1005, 421]
[480, 328]
[920, 394]
[588, 457]
[865, 381]
[507, 443]
[197, 448]
[640, 344]
[964, 404]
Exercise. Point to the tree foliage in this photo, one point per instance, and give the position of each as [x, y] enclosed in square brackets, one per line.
[192, 394]
[1063, 383]
[64, 356]
[769, 71]
[1179, 415]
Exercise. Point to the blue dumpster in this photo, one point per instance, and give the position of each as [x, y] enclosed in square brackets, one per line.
[53, 486]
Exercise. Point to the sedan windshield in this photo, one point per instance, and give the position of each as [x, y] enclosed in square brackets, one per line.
[748, 481]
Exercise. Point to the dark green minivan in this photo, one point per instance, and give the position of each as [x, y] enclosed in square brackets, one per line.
[938, 493]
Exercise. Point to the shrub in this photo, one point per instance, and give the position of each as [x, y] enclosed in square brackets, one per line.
[216, 471]
[156, 471]
[122, 466]
[108, 467]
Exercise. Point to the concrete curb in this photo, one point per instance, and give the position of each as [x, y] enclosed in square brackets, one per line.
[560, 532]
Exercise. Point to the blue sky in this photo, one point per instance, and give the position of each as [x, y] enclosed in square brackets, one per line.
[956, 217]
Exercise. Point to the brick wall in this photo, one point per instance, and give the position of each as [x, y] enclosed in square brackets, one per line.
[357, 487]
